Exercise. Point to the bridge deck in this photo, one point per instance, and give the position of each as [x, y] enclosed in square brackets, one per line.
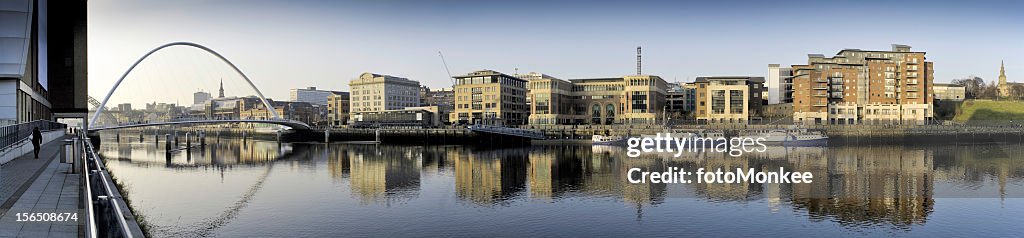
[289, 123]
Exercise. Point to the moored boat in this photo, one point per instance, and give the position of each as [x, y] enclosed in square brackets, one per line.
[607, 140]
[795, 137]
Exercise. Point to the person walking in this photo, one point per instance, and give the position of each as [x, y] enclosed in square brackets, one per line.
[37, 138]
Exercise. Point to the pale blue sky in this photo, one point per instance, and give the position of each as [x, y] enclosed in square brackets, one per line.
[292, 44]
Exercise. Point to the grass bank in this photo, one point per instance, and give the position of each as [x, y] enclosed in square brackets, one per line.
[987, 110]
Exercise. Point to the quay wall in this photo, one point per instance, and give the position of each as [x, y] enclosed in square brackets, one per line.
[461, 135]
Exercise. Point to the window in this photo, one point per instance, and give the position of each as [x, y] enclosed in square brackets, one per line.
[718, 101]
[736, 102]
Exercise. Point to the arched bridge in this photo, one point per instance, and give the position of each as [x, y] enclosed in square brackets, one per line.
[276, 119]
[297, 125]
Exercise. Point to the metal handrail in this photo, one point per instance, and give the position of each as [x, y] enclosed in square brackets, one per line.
[508, 131]
[90, 221]
[15, 134]
[96, 167]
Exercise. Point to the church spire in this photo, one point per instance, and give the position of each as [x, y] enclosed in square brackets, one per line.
[221, 95]
[1004, 88]
[1002, 69]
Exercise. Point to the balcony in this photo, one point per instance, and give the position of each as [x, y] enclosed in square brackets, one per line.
[820, 87]
[912, 62]
[912, 82]
[836, 95]
[913, 89]
[821, 104]
[821, 80]
[821, 95]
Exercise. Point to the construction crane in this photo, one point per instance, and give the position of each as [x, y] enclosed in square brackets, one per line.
[446, 68]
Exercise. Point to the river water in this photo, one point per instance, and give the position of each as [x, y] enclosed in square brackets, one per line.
[235, 188]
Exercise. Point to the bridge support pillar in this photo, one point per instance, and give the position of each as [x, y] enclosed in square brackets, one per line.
[167, 143]
[202, 139]
[188, 141]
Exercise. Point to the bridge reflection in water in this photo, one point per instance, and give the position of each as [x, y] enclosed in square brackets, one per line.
[868, 189]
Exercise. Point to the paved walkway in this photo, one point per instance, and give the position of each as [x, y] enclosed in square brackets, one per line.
[41, 185]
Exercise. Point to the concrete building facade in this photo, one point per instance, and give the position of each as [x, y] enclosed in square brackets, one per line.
[311, 95]
[442, 98]
[200, 97]
[489, 97]
[419, 117]
[779, 84]
[43, 64]
[338, 109]
[551, 100]
[881, 87]
[729, 99]
[377, 92]
[680, 100]
[636, 99]
[949, 92]
[299, 111]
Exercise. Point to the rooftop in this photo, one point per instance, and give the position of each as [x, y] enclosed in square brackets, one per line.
[730, 78]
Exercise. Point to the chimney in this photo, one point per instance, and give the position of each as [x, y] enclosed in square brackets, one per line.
[638, 65]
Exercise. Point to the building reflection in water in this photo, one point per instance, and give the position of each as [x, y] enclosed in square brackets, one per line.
[489, 177]
[972, 167]
[378, 174]
[852, 185]
[553, 172]
[855, 186]
[224, 154]
[867, 185]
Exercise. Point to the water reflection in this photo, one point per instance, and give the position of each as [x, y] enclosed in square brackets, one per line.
[226, 153]
[489, 176]
[377, 175]
[868, 185]
[855, 186]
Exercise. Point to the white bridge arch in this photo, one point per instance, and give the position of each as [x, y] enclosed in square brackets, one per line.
[263, 99]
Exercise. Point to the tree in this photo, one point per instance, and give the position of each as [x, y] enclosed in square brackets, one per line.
[1016, 92]
[974, 86]
[990, 91]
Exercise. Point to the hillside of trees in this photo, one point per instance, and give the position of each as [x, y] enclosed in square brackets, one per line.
[977, 88]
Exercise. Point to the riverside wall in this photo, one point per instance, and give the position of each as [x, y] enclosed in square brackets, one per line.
[461, 135]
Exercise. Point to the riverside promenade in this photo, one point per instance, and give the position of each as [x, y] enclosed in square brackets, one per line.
[43, 185]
